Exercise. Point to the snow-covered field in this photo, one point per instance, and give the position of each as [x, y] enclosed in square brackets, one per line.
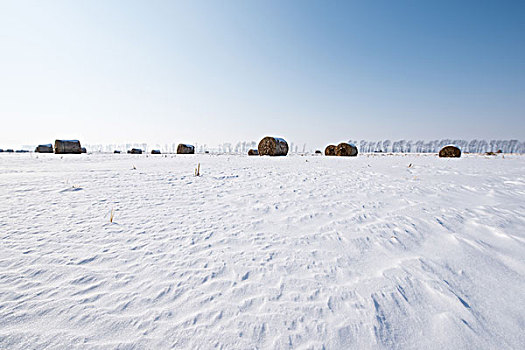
[293, 252]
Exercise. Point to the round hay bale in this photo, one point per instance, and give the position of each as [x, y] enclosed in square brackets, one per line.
[346, 150]
[253, 152]
[330, 150]
[67, 147]
[44, 148]
[272, 146]
[185, 149]
[318, 152]
[450, 151]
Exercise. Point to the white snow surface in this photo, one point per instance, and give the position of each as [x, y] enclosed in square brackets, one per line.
[261, 253]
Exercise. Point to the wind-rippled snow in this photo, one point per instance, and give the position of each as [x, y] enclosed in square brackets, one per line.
[291, 252]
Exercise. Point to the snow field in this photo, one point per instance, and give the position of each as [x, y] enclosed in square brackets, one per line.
[292, 252]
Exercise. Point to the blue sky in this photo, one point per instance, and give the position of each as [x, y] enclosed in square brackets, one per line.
[313, 72]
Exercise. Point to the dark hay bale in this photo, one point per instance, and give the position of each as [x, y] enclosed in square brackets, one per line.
[330, 150]
[155, 151]
[185, 149]
[67, 147]
[272, 146]
[490, 153]
[253, 152]
[318, 152]
[117, 152]
[1, 150]
[450, 151]
[135, 151]
[499, 151]
[9, 150]
[206, 152]
[83, 150]
[346, 150]
[44, 148]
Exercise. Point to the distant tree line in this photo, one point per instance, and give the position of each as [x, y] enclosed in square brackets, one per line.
[400, 146]
[473, 146]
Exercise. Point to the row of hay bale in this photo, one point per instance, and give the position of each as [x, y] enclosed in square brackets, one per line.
[275, 146]
[268, 146]
[181, 149]
[10, 150]
[343, 149]
[62, 147]
[74, 147]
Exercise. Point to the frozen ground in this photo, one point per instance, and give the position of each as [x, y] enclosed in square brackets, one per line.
[295, 252]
